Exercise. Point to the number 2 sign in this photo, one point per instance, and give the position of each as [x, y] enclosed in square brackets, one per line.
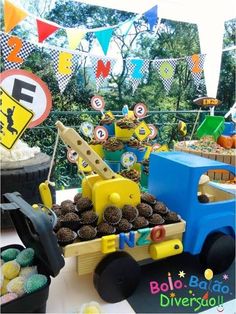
[100, 133]
[140, 110]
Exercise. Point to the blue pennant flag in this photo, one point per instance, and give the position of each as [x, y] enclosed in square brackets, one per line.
[151, 16]
[104, 37]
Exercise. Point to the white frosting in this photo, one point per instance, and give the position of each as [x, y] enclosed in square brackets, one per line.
[21, 151]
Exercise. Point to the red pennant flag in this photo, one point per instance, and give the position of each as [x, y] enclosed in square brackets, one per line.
[45, 30]
[206, 296]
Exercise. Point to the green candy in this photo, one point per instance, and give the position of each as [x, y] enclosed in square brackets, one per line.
[26, 257]
[9, 254]
[35, 282]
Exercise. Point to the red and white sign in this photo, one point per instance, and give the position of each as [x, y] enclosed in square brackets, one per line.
[153, 130]
[100, 133]
[140, 110]
[155, 147]
[30, 91]
[72, 156]
[98, 103]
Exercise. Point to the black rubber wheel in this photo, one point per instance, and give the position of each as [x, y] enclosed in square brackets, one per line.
[24, 177]
[218, 252]
[116, 277]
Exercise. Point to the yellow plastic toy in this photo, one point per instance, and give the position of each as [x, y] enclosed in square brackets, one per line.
[165, 249]
[106, 187]
[45, 194]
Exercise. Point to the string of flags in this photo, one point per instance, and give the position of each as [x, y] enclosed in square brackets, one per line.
[15, 51]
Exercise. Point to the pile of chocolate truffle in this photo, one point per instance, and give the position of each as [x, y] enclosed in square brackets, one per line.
[78, 220]
[19, 275]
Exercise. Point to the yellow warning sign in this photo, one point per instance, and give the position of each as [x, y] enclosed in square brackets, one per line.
[14, 118]
[142, 131]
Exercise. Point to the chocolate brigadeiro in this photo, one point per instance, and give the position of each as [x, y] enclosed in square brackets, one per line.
[104, 229]
[71, 220]
[57, 209]
[155, 220]
[129, 212]
[67, 206]
[124, 225]
[140, 222]
[160, 208]
[77, 197]
[87, 232]
[83, 204]
[171, 217]
[89, 217]
[59, 223]
[65, 236]
[148, 198]
[145, 210]
[203, 198]
[112, 215]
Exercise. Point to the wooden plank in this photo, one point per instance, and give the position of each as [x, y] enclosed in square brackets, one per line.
[227, 160]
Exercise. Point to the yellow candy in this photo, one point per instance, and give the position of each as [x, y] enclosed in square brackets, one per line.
[10, 269]
[16, 285]
[4, 286]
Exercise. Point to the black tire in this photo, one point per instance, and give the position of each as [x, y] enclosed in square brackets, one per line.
[116, 277]
[24, 177]
[218, 252]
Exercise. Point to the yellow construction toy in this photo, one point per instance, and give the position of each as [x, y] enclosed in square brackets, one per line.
[106, 187]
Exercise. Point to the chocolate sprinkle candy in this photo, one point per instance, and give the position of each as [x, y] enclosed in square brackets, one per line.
[112, 215]
[148, 198]
[129, 212]
[145, 210]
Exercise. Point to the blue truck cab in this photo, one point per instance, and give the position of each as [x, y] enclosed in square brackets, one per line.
[210, 227]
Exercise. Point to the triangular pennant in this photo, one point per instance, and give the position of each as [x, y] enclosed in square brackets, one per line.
[166, 69]
[104, 37]
[15, 51]
[125, 27]
[74, 36]
[137, 69]
[45, 29]
[196, 64]
[102, 67]
[151, 16]
[64, 62]
[12, 15]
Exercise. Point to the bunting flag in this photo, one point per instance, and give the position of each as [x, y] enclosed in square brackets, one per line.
[102, 67]
[195, 64]
[151, 16]
[74, 37]
[64, 64]
[45, 30]
[166, 69]
[137, 69]
[12, 15]
[104, 37]
[125, 27]
[15, 51]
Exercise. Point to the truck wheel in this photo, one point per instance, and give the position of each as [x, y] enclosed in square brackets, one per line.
[116, 277]
[218, 252]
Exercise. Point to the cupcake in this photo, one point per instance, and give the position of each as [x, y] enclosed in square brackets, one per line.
[171, 217]
[71, 220]
[203, 198]
[89, 217]
[148, 198]
[129, 212]
[97, 147]
[83, 204]
[67, 206]
[124, 225]
[86, 233]
[104, 229]
[136, 147]
[140, 222]
[144, 210]
[108, 122]
[65, 236]
[124, 128]
[112, 215]
[160, 208]
[126, 123]
[131, 174]
[113, 149]
[77, 197]
[155, 220]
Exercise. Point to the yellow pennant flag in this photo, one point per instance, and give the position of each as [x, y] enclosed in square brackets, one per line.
[12, 15]
[74, 36]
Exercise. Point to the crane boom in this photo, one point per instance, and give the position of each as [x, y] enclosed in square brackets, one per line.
[71, 138]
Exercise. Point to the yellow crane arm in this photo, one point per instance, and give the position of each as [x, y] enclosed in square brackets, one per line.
[71, 138]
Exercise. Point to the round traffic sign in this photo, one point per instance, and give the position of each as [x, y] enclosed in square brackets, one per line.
[155, 147]
[30, 91]
[140, 110]
[98, 103]
[87, 129]
[72, 156]
[128, 159]
[100, 133]
[153, 130]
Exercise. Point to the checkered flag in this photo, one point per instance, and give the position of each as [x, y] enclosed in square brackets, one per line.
[196, 64]
[63, 79]
[136, 77]
[15, 51]
[166, 70]
[102, 67]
